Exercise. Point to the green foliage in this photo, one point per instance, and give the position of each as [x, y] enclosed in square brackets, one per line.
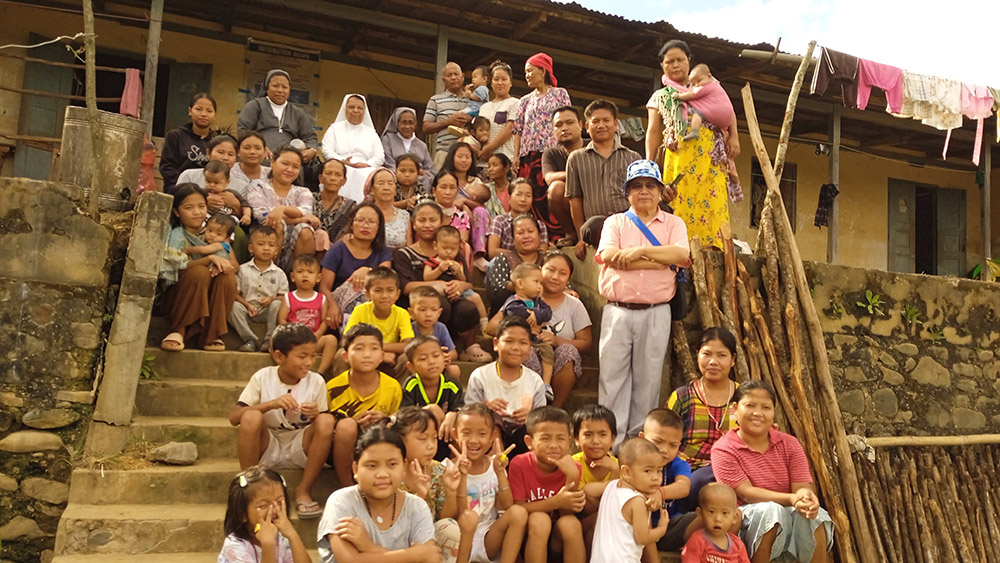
[836, 308]
[911, 314]
[936, 334]
[872, 303]
[148, 369]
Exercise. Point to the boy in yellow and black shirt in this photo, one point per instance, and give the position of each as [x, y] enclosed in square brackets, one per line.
[430, 389]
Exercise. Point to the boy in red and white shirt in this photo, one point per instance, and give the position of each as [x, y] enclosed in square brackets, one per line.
[715, 543]
[307, 306]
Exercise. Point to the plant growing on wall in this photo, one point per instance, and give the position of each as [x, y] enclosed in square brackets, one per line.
[935, 334]
[148, 369]
[911, 315]
[872, 303]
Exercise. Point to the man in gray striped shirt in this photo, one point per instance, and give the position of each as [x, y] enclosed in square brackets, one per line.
[445, 109]
[595, 175]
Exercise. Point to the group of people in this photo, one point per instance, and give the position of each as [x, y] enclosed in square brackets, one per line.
[371, 274]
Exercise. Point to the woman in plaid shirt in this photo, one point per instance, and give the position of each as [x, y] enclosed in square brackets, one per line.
[704, 405]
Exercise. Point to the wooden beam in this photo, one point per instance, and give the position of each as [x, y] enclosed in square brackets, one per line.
[528, 26]
[61, 64]
[152, 60]
[442, 57]
[987, 207]
[833, 231]
[57, 96]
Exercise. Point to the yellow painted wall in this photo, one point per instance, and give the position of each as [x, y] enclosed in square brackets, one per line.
[864, 180]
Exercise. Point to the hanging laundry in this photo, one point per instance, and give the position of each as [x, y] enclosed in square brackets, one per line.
[886, 77]
[977, 104]
[996, 108]
[836, 68]
[132, 94]
[631, 127]
[935, 101]
[827, 193]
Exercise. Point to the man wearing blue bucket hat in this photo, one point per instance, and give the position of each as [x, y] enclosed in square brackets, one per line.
[636, 251]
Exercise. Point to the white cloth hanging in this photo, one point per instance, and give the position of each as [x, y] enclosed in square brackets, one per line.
[359, 142]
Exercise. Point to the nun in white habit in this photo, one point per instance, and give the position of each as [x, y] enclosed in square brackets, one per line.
[352, 139]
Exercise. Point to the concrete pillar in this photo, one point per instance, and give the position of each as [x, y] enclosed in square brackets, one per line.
[127, 341]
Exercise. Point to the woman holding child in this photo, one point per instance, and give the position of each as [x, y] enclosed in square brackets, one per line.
[458, 314]
[472, 195]
[500, 110]
[285, 207]
[350, 259]
[701, 199]
[769, 471]
[201, 289]
[527, 248]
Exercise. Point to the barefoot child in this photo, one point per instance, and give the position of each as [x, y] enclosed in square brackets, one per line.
[374, 519]
[715, 543]
[545, 481]
[381, 311]
[361, 396]
[446, 265]
[498, 537]
[307, 306]
[425, 310]
[624, 522]
[664, 428]
[527, 303]
[436, 483]
[262, 285]
[506, 386]
[283, 416]
[501, 233]
[256, 525]
[476, 91]
[429, 389]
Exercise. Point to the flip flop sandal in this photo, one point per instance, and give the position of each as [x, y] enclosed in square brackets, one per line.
[215, 346]
[475, 353]
[565, 242]
[308, 510]
[173, 342]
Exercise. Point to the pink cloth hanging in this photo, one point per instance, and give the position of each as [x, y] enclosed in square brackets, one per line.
[132, 94]
[886, 77]
[977, 103]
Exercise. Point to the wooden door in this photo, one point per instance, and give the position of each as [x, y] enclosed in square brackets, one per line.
[902, 226]
[41, 116]
[186, 80]
[951, 235]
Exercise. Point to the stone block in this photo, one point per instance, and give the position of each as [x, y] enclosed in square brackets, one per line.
[82, 397]
[887, 360]
[907, 349]
[885, 402]
[892, 377]
[854, 373]
[940, 353]
[11, 400]
[834, 355]
[929, 372]
[852, 402]
[968, 419]
[86, 335]
[937, 415]
[985, 355]
[841, 340]
[7, 483]
[967, 370]
[909, 364]
[149, 229]
[21, 527]
[49, 418]
[27, 441]
[175, 453]
[52, 492]
[966, 385]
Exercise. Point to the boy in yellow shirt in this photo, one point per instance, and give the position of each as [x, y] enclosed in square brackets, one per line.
[359, 397]
[594, 429]
[381, 311]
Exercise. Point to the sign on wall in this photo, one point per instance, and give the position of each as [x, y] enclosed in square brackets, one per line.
[302, 66]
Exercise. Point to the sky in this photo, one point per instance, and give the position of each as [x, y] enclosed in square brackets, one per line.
[954, 39]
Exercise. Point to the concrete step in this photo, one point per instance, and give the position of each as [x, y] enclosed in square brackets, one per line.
[151, 528]
[213, 435]
[187, 397]
[207, 481]
[188, 557]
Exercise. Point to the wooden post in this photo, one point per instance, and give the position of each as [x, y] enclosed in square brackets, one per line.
[793, 98]
[152, 59]
[988, 165]
[833, 229]
[442, 58]
[90, 44]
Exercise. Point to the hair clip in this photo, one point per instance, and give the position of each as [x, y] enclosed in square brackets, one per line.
[243, 481]
[283, 483]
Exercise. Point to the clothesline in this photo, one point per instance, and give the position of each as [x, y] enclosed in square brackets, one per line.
[934, 101]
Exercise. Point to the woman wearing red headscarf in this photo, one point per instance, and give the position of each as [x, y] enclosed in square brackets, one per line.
[532, 127]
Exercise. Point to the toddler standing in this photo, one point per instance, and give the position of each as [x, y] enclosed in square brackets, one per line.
[261, 284]
[307, 306]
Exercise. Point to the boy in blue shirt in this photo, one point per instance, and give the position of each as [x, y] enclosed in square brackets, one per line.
[664, 428]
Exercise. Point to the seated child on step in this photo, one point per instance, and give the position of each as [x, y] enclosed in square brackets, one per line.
[430, 389]
[217, 183]
[498, 537]
[506, 386]
[390, 520]
[545, 481]
[361, 396]
[261, 285]
[446, 265]
[283, 415]
[717, 508]
[256, 525]
[527, 303]
[381, 311]
[665, 429]
[624, 521]
[307, 306]
[435, 482]
[594, 430]
[425, 310]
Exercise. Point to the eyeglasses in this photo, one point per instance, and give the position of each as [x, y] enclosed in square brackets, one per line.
[362, 221]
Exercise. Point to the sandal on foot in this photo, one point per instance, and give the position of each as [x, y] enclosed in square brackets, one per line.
[173, 342]
[215, 346]
[565, 242]
[308, 510]
[474, 353]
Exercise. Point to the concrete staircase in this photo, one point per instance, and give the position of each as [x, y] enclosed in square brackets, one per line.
[165, 513]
